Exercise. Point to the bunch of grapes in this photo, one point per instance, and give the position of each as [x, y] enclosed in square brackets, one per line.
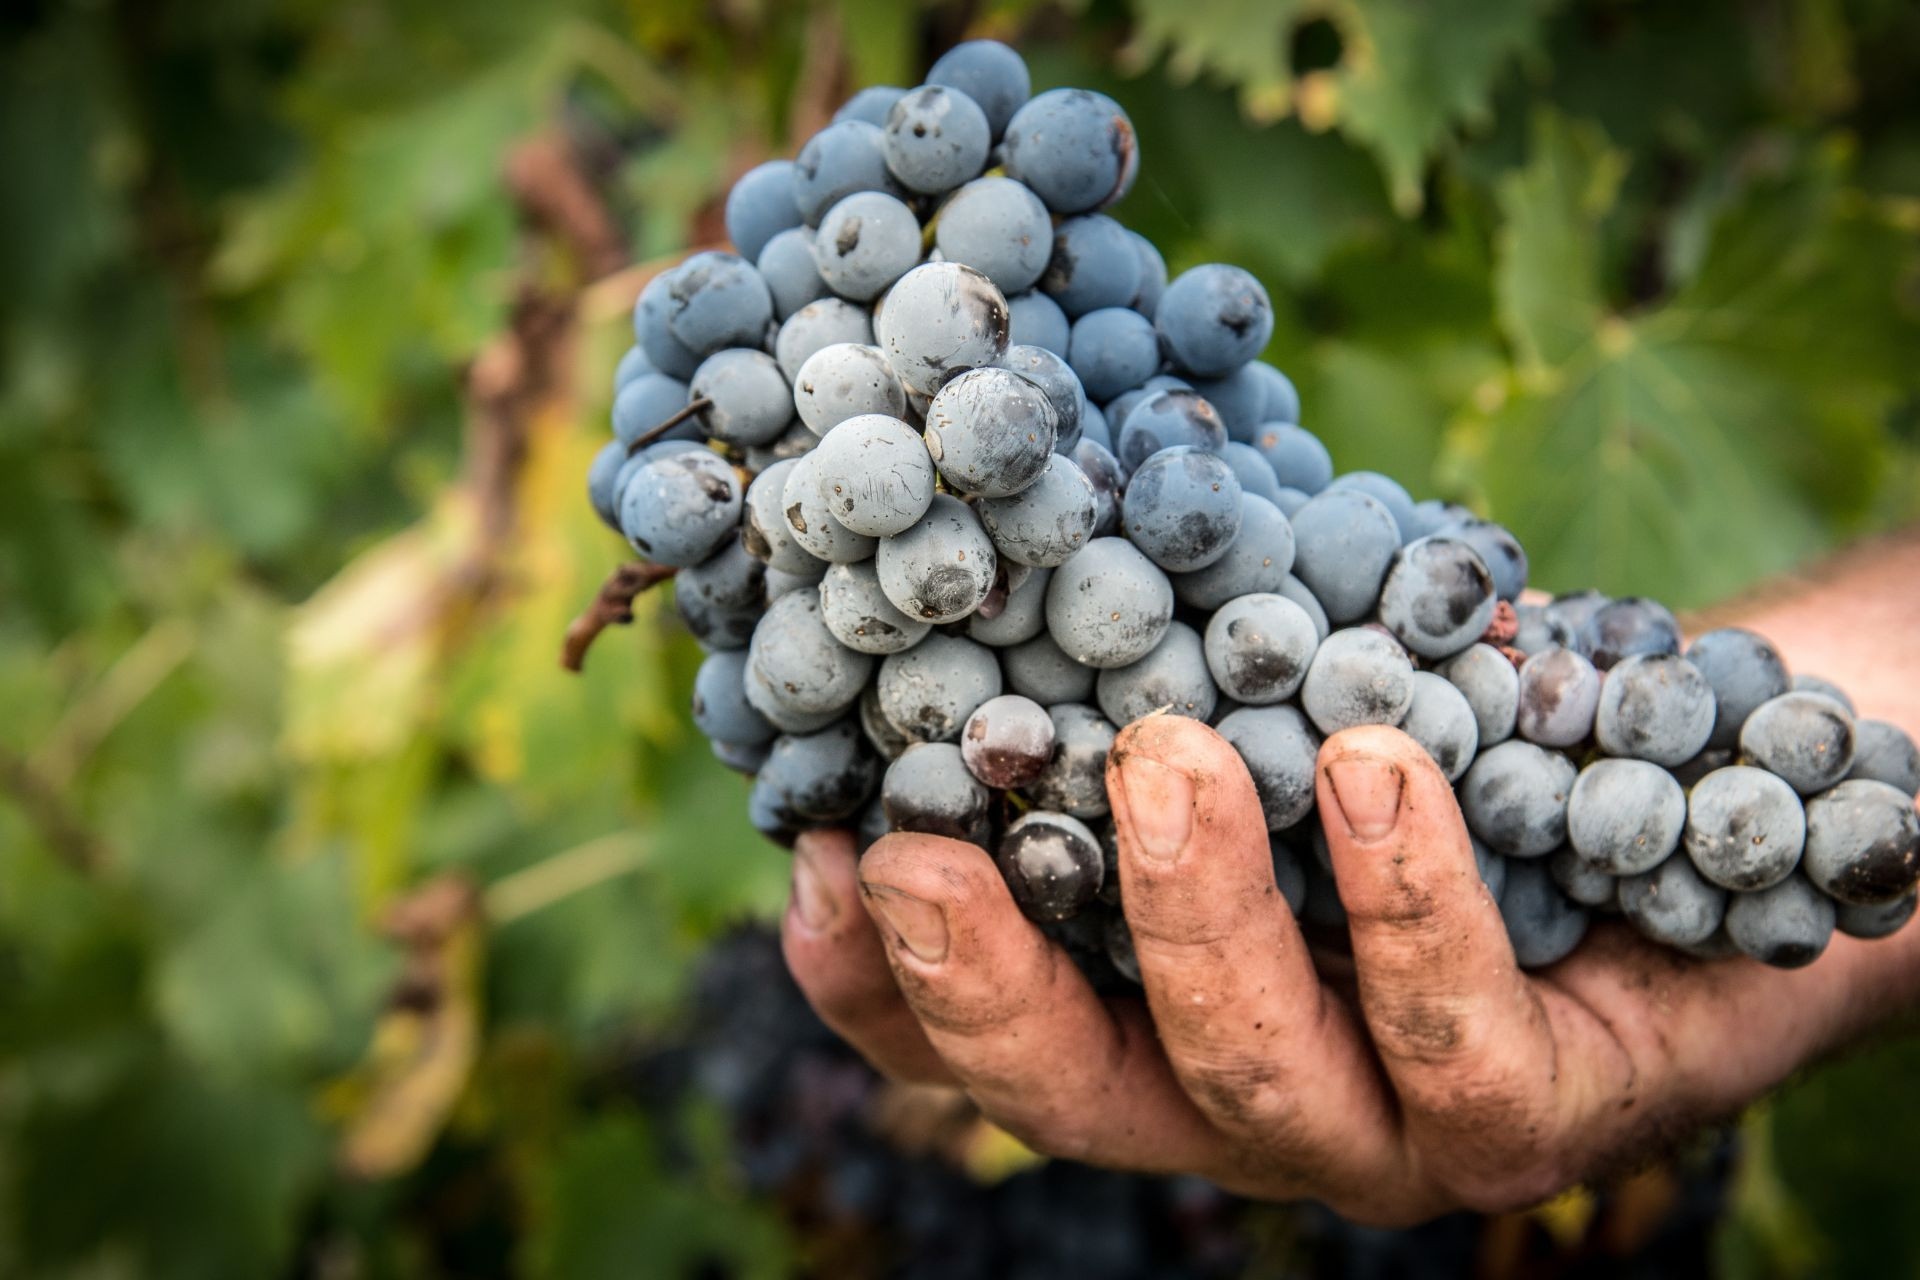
[956, 482]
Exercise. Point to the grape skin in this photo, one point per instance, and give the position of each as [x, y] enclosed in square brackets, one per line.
[845, 157]
[1258, 648]
[798, 662]
[1007, 741]
[1344, 542]
[720, 706]
[1514, 797]
[1655, 707]
[1257, 560]
[1000, 228]
[1074, 780]
[1280, 750]
[1214, 318]
[721, 598]
[1022, 616]
[752, 403]
[935, 138]
[941, 568]
[760, 206]
[1671, 903]
[1787, 926]
[1744, 671]
[1074, 147]
[820, 323]
[786, 264]
[990, 74]
[1437, 597]
[1166, 420]
[822, 776]
[1806, 738]
[859, 614]
[1625, 817]
[1883, 752]
[874, 475]
[1035, 320]
[1745, 828]
[1357, 676]
[940, 320]
[1055, 377]
[1825, 687]
[1491, 686]
[716, 300]
[1559, 694]
[865, 243]
[1863, 843]
[1391, 495]
[1543, 926]
[1107, 605]
[805, 507]
[1628, 628]
[1047, 521]
[1582, 883]
[1440, 720]
[1171, 677]
[1880, 920]
[990, 432]
[1093, 265]
[1041, 670]
[1182, 508]
[928, 789]
[929, 691]
[870, 104]
[1052, 865]
[1112, 350]
[679, 507]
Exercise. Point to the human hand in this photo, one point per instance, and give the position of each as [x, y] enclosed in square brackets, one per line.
[1433, 1075]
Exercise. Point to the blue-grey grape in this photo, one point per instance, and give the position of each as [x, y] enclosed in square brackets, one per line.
[990, 73]
[1255, 476]
[1041, 670]
[1745, 828]
[1259, 647]
[786, 264]
[824, 776]
[1787, 926]
[1035, 320]
[1298, 459]
[875, 475]
[721, 598]
[632, 364]
[803, 502]
[1214, 318]
[1153, 276]
[1104, 473]
[1863, 842]
[820, 323]
[752, 403]
[1806, 738]
[839, 160]
[766, 532]
[760, 206]
[928, 789]
[1825, 688]
[1112, 350]
[1744, 671]
[1625, 816]
[1357, 676]
[1258, 559]
[1279, 749]
[1491, 686]
[1298, 592]
[1054, 376]
[645, 403]
[716, 300]
[666, 353]
[1094, 265]
[1007, 741]
[859, 614]
[1559, 693]
[1514, 797]
[1654, 707]
[941, 568]
[720, 706]
[1883, 752]
[870, 104]
[677, 508]
[1538, 629]
[1392, 496]
[799, 664]
[1543, 925]
[1000, 228]
[929, 690]
[1344, 542]
[846, 380]
[1045, 522]
[1877, 920]
[1107, 605]
[866, 242]
[1437, 597]
[1500, 551]
[1168, 420]
[1074, 780]
[1022, 615]
[1587, 885]
[1440, 720]
[1628, 628]
[939, 321]
[1172, 676]
[990, 432]
[935, 139]
[1240, 398]
[1672, 904]
[1182, 508]
[1074, 147]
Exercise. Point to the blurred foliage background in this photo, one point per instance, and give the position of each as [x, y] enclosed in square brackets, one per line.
[329, 905]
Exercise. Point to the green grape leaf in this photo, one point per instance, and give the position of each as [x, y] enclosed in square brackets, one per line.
[1410, 71]
[1719, 435]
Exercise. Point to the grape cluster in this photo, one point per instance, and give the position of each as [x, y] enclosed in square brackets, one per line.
[958, 482]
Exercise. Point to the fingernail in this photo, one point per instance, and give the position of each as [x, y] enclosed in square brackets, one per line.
[918, 925]
[1159, 806]
[1368, 793]
[816, 906]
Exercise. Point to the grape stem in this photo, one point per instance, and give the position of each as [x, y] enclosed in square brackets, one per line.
[699, 404]
[612, 604]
